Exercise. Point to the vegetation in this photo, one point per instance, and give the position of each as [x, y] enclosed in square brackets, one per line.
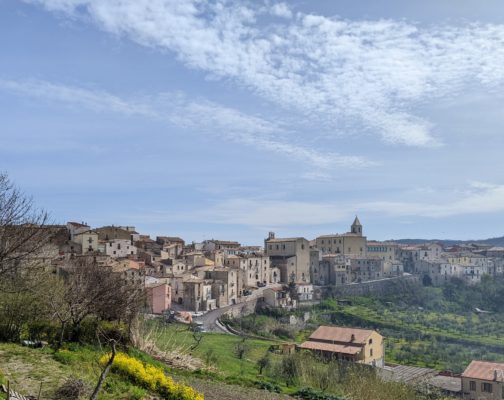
[151, 377]
[430, 327]
[293, 374]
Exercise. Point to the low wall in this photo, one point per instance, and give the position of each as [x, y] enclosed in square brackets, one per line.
[378, 287]
[242, 309]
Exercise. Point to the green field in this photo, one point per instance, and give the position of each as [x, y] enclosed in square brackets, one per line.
[219, 351]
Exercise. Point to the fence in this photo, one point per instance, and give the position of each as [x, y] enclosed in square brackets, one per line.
[12, 395]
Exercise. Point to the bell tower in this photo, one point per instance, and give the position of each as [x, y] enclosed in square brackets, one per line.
[356, 227]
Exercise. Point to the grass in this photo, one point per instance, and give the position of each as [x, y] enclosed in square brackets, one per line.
[218, 350]
[27, 368]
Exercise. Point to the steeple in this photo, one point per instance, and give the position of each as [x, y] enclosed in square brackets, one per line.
[356, 227]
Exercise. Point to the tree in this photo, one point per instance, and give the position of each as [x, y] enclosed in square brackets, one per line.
[93, 290]
[24, 229]
[263, 363]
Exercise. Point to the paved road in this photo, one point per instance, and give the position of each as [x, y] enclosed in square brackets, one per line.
[210, 318]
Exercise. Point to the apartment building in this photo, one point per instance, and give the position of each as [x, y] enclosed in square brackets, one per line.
[291, 256]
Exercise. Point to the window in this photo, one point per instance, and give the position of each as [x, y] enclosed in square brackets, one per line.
[370, 341]
[486, 387]
[370, 352]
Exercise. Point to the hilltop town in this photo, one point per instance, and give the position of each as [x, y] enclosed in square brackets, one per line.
[205, 285]
[219, 273]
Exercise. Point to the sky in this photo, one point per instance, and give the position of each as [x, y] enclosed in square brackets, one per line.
[229, 119]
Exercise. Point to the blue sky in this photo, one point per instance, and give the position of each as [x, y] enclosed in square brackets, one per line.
[228, 119]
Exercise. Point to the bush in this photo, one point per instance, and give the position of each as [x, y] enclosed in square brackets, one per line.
[72, 389]
[270, 387]
[311, 394]
[283, 332]
[151, 377]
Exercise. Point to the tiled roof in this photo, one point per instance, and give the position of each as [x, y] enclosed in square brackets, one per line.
[339, 334]
[334, 348]
[484, 370]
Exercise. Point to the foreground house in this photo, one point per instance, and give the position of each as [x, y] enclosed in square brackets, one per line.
[483, 380]
[362, 346]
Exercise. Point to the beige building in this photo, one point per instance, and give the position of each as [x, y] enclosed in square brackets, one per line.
[291, 256]
[366, 269]
[88, 241]
[348, 344]
[387, 251]
[351, 243]
[197, 294]
[334, 269]
[483, 380]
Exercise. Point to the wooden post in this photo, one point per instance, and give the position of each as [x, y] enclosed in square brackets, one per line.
[40, 391]
[8, 389]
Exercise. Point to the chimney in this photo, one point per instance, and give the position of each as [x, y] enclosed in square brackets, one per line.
[495, 375]
[352, 339]
[271, 235]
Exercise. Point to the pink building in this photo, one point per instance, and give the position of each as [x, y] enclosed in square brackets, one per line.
[159, 297]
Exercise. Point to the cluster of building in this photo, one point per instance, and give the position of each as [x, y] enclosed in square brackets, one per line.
[285, 271]
[438, 264]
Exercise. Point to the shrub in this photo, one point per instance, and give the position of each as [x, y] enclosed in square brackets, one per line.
[311, 394]
[270, 387]
[72, 389]
[151, 377]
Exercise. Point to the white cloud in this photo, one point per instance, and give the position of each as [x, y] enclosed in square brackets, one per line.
[281, 10]
[477, 198]
[201, 115]
[329, 69]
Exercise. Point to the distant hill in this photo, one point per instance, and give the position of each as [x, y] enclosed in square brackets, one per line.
[498, 241]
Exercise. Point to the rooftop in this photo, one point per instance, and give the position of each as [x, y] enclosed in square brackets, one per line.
[485, 370]
[339, 334]
[333, 348]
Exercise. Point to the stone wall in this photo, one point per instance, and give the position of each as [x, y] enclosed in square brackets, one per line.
[378, 287]
[243, 309]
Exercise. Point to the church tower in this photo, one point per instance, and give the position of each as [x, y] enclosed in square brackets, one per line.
[356, 227]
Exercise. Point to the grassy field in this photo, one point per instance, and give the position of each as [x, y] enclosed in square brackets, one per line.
[219, 350]
[27, 368]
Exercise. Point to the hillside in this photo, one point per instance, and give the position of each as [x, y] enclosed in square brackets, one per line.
[497, 241]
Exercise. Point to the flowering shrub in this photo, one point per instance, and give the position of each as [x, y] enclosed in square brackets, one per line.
[152, 378]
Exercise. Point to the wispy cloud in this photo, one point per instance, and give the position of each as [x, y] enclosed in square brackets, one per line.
[199, 115]
[477, 198]
[329, 69]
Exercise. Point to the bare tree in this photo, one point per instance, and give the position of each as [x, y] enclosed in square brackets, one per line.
[24, 229]
[94, 290]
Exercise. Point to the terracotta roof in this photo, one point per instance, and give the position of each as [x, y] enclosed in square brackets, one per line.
[484, 370]
[333, 348]
[339, 334]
